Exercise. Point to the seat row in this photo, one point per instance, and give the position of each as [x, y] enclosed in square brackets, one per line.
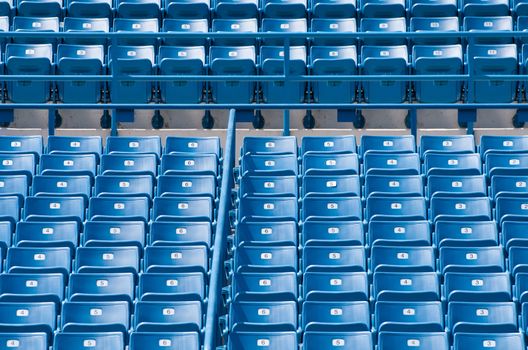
[267, 8]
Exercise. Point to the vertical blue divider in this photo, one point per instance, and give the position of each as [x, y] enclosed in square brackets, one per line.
[223, 227]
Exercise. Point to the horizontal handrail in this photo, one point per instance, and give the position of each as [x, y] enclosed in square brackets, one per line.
[291, 77]
[270, 35]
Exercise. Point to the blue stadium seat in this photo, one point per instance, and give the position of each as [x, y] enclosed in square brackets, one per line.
[456, 186]
[43, 234]
[272, 233]
[44, 208]
[334, 25]
[465, 233]
[133, 144]
[185, 25]
[272, 63]
[485, 8]
[71, 164]
[335, 164]
[21, 144]
[170, 316]
[496, 59]
[383, 25]
[126, 60]
[409, 316]
[95, 317]
[335, 285]
[47, 287]
[382, 163]
[520, 288]
[245, 25]
[80, 60]
[513, 234]
[235, 9]
[460, 208]
[399, 233]
[14, 185]
[508, 186]
[160, 341]
[188, 144]
[510, 341]
[28, 318]
[336, 60]
[471, 259]
[265, 258]
[255, 340]
[333, 9]
[187, 209]
[269, 165]
[505, 164]
[107, 260]
[517, 260]
[486, 24]
[181, 61]
[438, 8]
[250, 286]
[188, 185]
[35, 24]
[328, 144]
[6, 232]
[338, 185]
[405, 286]
[280, 186]
[325, 208]
[335, 316]
[24, 341]
[436, 23]
[266, 208]
[129, 164]
[388, 144]
[511, 209]
[187, 164]
[171, 286]
[114, 233]
[135, 25]
[331, 340]
[385, 60]
[402, 259]
[233, 61]
[101, 287]
[10, 209]
[176, 259]
[481, 317]
[412, 339]
[438, 60]
[176, 233]
[87, 25]
[89, 8]
[24, 59]
[54, 185]
[404, 208]
[38, 260]
[382, 9]
[280, 25]
[18, 164]
[450, 164]
[519, 8]
[284, 9]
[386, 185]
[138, 8]
[186, 9]
[124, 186]
[74, 144]
[6, 7]
[503, 144]
[94, 341]
[477, 286]
[340, 258]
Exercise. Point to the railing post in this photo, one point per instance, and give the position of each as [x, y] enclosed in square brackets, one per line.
[286, 122]
[220, 240]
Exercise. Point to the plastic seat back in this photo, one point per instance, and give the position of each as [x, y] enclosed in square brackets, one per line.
[479, 317]
[335, 316]
[42, 234]
[399, 233]
[425, 341]
[471, 259]
[182, 258]
[265, 258]
[494, 21]
[21, 144]
[87, 25]
[75, 144]
[107, 259]
[386, 185]
[172, 286]
[94, 341]
[477, 286]
[273, 341]
[187, 209]
[400, 259]
[407, 316]
[247, 25]
[405, 286]
[404, 208]
[170, 316]
[272, 316]
[513, 341]
[129, 164]
[160, 341]
[503, 144]
[38, 260]
[462, 208]
[466, 233]
[46, 208]
[325, 25]
[333, 259]
[383, 25]
[35, 24]
[89, 8]
[324, 208]
[176, 233]
[280, 25]
[101, 316]
[76, 164]
[101, 287]
[470, 185]
[330, 340]
[434, 23]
